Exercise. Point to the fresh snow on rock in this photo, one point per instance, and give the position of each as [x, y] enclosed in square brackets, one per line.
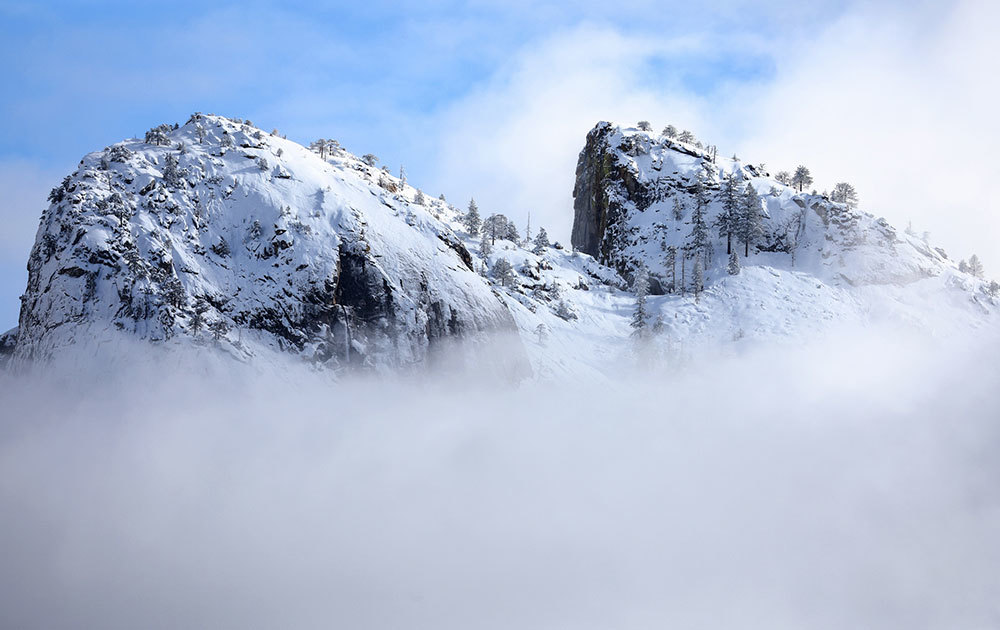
[336, 261]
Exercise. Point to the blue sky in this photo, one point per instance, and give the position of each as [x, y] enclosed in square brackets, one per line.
[476, 98]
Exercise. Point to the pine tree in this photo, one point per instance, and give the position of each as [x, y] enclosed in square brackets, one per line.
[541, 242]
[698, 240]
[485, 249]
[963, 266]
[563, 311]
[726, 222]
[370, 159]
[976, 267]
[543, 333]
[734, 264]
[219, 328]
[679, 208]
[640, 287]
[671, 264]
[199, 132]
[471, 219]
[749, 224]
[670, 131]
[419, 198]
[511, 233]
[527, 231]
[503, 271]
[495, 226]
[784, 177]
[698, 279]
[802, 178]
[643, 125]
[844, 193]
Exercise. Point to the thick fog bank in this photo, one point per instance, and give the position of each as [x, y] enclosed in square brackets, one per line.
[848, 484]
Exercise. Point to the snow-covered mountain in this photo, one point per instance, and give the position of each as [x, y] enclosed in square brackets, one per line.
[221, 235]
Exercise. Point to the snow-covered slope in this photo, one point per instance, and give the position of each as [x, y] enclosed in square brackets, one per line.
[247, 242]
[217, 233]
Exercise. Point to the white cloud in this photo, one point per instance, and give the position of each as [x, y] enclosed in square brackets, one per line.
[900, 102]
[896, 99]
[514, 141]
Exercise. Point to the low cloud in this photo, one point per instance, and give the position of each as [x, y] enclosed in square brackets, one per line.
[849, 483]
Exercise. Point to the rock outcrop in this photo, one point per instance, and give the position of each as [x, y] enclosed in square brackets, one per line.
[217, 233]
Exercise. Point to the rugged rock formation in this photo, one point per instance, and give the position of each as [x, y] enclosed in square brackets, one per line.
[217, 233]
[634, 195]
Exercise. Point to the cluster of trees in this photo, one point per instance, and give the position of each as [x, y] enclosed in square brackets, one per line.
[324, 147]
[801, 179]
[973, 267]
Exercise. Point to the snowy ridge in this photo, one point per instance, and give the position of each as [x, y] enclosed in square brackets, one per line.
[220, 235]
[217, 233]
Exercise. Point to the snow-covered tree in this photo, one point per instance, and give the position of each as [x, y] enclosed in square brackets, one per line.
[643, 125]
[563, 311]
[471, 219]
[503, 272]
[173, 175]
[976, 266]
[541, 242]
[670, 263]
[802, 178]
[749, 223]
[679, 208]
[963, 266]
[698, 241]
[402, 176]
[262, 163]
[734, 264]
[198, 316]
[158, 135]
[485, 249]
[419, 198]
[319, 146]
[726, 222]
[686, 136]
[543, 333]
[698, 280]
[784, 177]
[199, 132]
[495, 226]
[844, 193]
[370, 159]
[512, 234]
[640, 287]
[226, 141]
[909, 228]
[670, 131]
[219, 328]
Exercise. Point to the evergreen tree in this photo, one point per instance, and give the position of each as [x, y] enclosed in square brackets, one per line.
[503, 271]
[802, 178]
[495, 226]
[471, 219]
[512, 233]
[643, 125]
[698, 240]
[199, 132]
[370, 159]
[686, 136]
[541, 242]
[670, 131]
[749, 223]
[844, 193]
[419, 198]
[402, 176]
[640, 287]
[976, 267]
[485, 249]
[734, 264]
[698, 281]
[726, 222]
[219, 328]
[670, 263]
[679, 208]
[784, 177]
[963, 266]
[563, 311]
[543, 333]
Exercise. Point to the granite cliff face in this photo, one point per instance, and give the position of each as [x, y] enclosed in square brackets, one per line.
[635, 196]
[217, 233]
